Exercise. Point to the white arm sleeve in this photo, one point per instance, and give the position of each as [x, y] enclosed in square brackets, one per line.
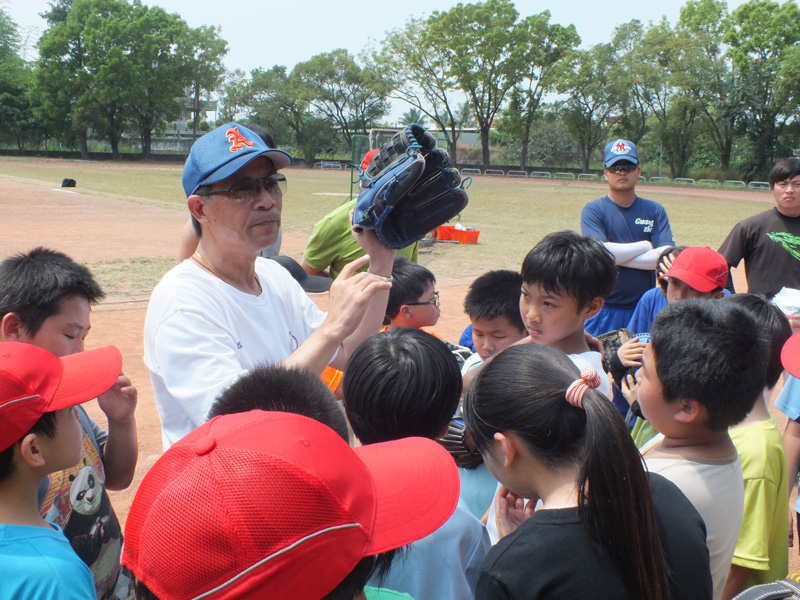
[646, 261]
[626, 252]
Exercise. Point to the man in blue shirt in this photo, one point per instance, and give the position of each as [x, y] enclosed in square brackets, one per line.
[633, 229]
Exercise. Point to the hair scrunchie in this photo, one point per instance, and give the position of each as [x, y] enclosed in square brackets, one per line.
[576, 390]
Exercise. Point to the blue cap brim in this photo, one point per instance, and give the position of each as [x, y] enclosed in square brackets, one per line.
[617, 159]
[279, 158]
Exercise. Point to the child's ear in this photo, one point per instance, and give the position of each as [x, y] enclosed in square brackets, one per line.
[718, 295]
[508, 447]
[31, 451]
[689, 411]
[593, 308]
[12, 329]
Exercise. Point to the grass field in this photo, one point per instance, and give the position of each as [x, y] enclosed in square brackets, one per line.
[512, 215]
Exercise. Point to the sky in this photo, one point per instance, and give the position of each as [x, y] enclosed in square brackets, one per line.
[267, 33]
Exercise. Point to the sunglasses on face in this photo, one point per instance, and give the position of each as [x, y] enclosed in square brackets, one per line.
[246, 190]
[620, 169]
[433, 301]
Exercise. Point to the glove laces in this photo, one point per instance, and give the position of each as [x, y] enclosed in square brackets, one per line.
[576, 390]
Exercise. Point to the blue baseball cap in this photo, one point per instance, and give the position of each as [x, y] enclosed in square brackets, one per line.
[223, 151]
[620, 150]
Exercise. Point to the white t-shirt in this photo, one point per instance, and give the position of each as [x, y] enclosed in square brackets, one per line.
[201, 333]
[716, 489]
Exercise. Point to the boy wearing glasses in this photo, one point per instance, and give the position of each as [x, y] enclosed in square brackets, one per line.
[414, 302]
[225, 310]
[769, 242]
[633, 229]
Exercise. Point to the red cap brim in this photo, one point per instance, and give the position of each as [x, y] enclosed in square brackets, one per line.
[86, 375]
[416, 489]
[790, 355]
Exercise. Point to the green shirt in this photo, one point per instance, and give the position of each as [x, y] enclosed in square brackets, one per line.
[383, 594]
[332, 246]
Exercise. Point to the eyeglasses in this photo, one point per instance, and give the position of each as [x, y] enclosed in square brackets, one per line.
[795, 183]
[246, 190]
[620, 169]
[433, 301]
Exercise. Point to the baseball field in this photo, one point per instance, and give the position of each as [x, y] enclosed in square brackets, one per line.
[123, 220]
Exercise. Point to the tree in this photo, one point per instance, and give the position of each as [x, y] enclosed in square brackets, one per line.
[157, 61]
[412, 116]
[762, 33]
[662, 54]
[483, 50]
[236, 97]
[544, 45]
[203, 68]
[349, 96]
[416, 69]
[590, 98]
[708, 74]
[16, 112]
[633, 94]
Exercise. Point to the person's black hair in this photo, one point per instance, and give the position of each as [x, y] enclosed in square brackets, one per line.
[774, 326]
[568, 263]
[523, 391]
[495, 294]
[34, 284]
[711, 352]
[45, 426]
[784, 170]
[400, 383]
[350, 587]
[283, 389]
[203, 189]
[409, 281]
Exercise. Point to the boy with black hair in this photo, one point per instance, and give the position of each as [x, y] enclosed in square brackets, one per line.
[276, 505]
[413, 299]
[762, 553]
[40, 434]
[46, 300]
[767, 242]
[400, 384]
[414, 302]
[566, 278]
[283, 389]
[492, 305]
[702, 372]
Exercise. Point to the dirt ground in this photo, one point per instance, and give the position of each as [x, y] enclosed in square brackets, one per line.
[91, 228]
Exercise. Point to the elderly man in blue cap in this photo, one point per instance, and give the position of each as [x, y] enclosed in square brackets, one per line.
[225, 310]
[633, 229]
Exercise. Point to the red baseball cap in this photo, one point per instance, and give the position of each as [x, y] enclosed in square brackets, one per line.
[703, 269]
[790, 355]
[368, 157]
[277, 505]
[33, 382]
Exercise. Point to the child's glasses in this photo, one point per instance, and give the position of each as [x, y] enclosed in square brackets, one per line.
[620, 169]
[433, 301]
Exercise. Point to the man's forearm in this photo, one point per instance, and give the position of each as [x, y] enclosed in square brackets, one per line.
[625, 252]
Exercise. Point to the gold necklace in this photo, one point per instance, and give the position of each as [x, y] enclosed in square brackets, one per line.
[202, 262]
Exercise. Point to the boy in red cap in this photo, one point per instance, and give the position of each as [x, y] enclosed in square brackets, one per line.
[269, 505]
[696, 272]
[40, 434]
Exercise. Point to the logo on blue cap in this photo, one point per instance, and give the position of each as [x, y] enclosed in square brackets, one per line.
[620, 150]
[221, 152]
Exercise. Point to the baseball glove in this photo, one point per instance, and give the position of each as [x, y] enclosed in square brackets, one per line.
[409, 190]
